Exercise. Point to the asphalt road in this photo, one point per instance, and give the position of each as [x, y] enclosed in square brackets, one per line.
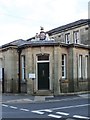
[70, 108]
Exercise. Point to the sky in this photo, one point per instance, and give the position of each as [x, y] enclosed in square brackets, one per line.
[21, 19]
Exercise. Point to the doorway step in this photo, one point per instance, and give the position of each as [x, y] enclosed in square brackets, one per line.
[44, 93]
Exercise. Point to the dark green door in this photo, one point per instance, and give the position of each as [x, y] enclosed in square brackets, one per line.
[43, 76]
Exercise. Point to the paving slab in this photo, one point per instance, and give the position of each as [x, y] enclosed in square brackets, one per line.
[19, 101]
[39, 98]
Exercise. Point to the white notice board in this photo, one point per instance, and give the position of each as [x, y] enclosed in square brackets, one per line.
[31, 75]
[0, 74]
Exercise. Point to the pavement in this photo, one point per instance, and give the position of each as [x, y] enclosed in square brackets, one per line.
[26, 98]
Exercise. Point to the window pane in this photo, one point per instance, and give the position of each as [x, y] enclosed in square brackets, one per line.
[43, 57]
[76, 36]
[23, 67]
[62, 62]
[67, 38]
[86, 64]
[80, 66]
[62, 68]
[62, 74]
[62, 57]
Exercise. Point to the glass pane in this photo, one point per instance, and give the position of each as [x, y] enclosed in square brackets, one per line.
[62, 57]
[62, 68]
[62, 62]
[43, 57]
[62, 73]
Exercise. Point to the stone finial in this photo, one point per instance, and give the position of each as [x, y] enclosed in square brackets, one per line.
[42, 33]
[41, 28]
[37, 36]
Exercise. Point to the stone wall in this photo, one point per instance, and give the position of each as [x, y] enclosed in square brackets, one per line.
[10, 60]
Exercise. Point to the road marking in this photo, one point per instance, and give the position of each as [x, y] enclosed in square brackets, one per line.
[81, 117]
[4, 105]
[69, 107]
[38, 112]
[70, 119]
[62, 113]
[24, 109]
[47, 110]
[13, 107]
[54, 116]
[41, 112]
[60, 108]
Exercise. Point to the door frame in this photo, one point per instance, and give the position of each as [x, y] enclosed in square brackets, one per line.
[39, 74]
[43, 61]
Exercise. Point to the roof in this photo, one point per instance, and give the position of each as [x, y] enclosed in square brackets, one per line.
[20, 44]
[51, 43]
[69, 26]
[39, 43]
[14, 43]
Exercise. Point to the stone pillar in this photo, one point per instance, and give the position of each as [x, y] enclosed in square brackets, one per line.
[70, 68]
[29, 67]
[56, 84]
[89, 46]
[89, 72]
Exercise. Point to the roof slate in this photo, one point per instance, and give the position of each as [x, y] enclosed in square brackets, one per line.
[39, 43]
[14, 43]
[70, 25]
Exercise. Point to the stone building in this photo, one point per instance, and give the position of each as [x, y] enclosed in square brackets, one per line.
[52, 62]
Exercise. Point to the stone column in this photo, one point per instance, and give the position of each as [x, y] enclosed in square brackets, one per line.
[89, 46]
[29, 67]
[89, 72]
[56, 79]
[70, 68]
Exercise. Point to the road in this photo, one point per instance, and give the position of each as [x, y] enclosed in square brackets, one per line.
[69, 108]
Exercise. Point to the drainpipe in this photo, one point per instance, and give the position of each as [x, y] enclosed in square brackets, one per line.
[3, 80]
[88, 72]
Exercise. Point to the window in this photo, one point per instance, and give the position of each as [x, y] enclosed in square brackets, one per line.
[86, 68]
[43, 57]
[80, 66]
[67, 38]
[63, 66]
[76, 36]
[23, 67]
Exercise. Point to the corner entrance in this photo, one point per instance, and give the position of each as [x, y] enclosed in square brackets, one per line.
[43, 76]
